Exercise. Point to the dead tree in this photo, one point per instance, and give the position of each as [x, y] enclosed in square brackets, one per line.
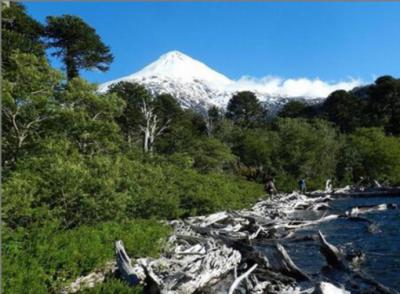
[20, 127]
[151, 127]
[209, 126]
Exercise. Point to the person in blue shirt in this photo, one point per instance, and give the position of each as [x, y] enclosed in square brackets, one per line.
[302, 186]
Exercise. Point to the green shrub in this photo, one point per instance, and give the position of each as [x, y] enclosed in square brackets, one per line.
[113, 286]
[44, 259]
[370, 154]
[60, 184]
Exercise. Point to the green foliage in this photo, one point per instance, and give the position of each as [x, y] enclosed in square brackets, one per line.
[133, 94]
[256, 147]
[215, 114]
[77, 44]
[19, 32]
[113, 286]
[169, 191]
[370, 154]
[290, 150]
[211, 155]
[60, 183]
[28, 96]
[376, 105]
[227, 132]
[213, 192]
[293, 109]
[213, 120]
[383, 107]
[245, 109]
[44, 259]
[306, 150]
[344, 109]
[165, 107]
[299, 109]
[88, 118]
[183, 132]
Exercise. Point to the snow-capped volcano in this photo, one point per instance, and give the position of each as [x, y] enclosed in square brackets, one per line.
[176, 65]
[190, 81]
[195, 85]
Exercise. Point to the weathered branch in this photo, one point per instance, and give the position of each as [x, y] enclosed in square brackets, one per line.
[331, 253]
[287, 265]
[151, 129]
[124, 265]
[240, 278]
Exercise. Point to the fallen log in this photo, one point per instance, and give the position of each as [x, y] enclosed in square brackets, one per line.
[186, 270]
[332, 255]
[355, 211]
[287, 266]
[132, 275]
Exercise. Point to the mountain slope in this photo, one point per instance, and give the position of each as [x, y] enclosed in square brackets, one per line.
[195, 85]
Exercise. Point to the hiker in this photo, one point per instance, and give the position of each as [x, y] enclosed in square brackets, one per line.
[328, 186]
[302, 186]
[269, 186]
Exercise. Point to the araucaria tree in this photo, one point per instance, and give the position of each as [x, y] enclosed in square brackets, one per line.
[78, 44]
[245, 109]
[19, 32]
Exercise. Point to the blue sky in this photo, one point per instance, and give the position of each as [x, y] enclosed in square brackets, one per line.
[330, 41]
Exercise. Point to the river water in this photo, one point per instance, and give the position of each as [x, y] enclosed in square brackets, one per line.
[381, 246]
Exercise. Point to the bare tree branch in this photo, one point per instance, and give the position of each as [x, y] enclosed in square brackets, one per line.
[150, 129]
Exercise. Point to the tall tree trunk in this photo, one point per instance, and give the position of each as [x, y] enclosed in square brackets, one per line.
[72, 71]
[151, 128]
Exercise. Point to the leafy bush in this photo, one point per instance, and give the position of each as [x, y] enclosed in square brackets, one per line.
[291, 149]
[368, 153]
[61, 184]
[306, 150]
[113, 286]
[45, 258]
[210, 154]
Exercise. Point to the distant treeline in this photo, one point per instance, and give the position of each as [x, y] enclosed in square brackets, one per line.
[82, 169]
[372, 106]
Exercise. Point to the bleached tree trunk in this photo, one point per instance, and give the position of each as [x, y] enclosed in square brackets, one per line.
[151, 128]
[209, 126]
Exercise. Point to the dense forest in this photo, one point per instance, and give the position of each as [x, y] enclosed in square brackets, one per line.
[82, 169]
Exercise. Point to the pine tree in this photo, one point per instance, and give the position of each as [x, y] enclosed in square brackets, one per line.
[78, 44]
[344, 109]
[383, 107]
[20, 33]
[245, 109]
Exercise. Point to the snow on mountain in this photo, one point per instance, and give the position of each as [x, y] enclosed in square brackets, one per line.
[195, 85]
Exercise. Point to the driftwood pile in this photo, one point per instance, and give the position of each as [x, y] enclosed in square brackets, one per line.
[218, 253]
[215, 254]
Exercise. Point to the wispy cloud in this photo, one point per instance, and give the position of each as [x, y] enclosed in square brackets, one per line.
[300, 87]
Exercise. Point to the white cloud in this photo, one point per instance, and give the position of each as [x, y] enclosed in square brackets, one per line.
[300, 87]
